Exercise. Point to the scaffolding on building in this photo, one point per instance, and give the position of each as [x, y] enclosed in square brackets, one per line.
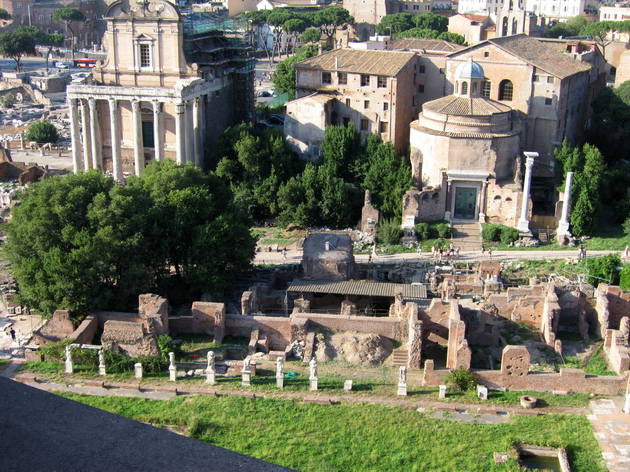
[222, 46]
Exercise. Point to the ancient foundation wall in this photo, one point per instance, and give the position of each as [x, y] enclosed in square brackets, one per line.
[104, 316]
[277, 328]
[84, 334]
[568, 380]
[387, 327]
[618, 304]
[617, 351]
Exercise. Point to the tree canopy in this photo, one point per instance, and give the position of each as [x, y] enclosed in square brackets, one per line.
[82, 242]
[68, 16]
[589, 169]
[4, 15]
[284, 76]
[42, 132]
[19, 42]
[568, 28]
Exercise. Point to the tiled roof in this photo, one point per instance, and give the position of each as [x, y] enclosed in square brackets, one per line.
[363, 288]
[479, 18]
[466, 106]
[454, 134]
[417, 44]
[545, 56]
[388, 63]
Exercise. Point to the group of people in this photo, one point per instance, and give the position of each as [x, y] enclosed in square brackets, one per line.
[439, 255]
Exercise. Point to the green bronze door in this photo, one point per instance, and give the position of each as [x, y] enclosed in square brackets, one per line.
[465, 203]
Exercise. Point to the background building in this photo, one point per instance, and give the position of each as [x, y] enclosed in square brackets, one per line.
[170, 85]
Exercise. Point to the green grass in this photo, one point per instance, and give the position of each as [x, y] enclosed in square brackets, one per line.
[596, 365]
[357, 437]
[511, 399]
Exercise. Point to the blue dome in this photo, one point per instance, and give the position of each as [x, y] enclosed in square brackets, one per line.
[469, 70]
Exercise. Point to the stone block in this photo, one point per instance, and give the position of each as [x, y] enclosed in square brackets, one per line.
[442, 393]
[482, 392]
[402, 390]
[313, 383]
[347, 386]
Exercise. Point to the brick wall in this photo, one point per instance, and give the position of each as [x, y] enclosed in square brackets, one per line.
[277, 329]
[84, 334]
[387, 327]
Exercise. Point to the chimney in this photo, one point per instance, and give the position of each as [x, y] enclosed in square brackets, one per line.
[336, 63]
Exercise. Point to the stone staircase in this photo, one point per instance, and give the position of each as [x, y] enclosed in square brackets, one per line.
[467, 236]
[400, 357]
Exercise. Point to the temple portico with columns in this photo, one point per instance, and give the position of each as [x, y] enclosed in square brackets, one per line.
[165, 123]
[157, 94]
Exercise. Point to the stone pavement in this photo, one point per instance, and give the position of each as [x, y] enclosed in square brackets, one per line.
[612, 430]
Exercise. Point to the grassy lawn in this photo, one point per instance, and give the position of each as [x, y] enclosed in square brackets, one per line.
[357, 437]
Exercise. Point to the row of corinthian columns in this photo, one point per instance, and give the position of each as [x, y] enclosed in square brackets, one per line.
[188, 125]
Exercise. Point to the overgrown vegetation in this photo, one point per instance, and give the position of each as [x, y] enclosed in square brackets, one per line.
[310, 441]
[462, 379]
[432, 230]
[389, 232]
[269, 181]
[83, 242]
[495, 233]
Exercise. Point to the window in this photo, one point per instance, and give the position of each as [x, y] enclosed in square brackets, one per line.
[420, 88]
[347, 102]
[382, 82]
[345, 120]
[427, 7]
[147, 134]
[416, 7]
[365, 125]
[342, 77]
[550, 79]
[474, 89]
[464, 88]
[384, 127]
[506, 89]
[536, 78]
[145, 55]
[385, 106]
[486, 54]
[406, 7]
[316, 151]
[41, 17]
[486, 89]
[326, 78]
[366, 104]
[548, 101]
[422, 69]
[19, 5]
[365, 80]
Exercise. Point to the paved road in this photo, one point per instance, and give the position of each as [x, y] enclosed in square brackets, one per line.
[295, 256]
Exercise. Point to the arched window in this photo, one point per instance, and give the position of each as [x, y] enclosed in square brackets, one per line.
[514, 26]
[474, 90]
[464, 88]
[506, 89]
[486, 89]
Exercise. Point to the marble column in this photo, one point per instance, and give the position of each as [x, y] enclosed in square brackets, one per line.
[523, 222]
[94, 134]
[180, 140]
[447, 211]
[158, 133]
[563, 225]
[138, 148]
[482, 203]
[190, 133]
[74, 134]
[115, 134]
[87, 142]
[198, 103]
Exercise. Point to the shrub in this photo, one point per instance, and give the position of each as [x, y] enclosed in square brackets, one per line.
[603, 269]
[55, 351]
[423, 231]
[8, 100]
[389, 232]
[443, 230]
[42, 132]
[462, 379]
[509, 235]
[490, 232]
[624, 279]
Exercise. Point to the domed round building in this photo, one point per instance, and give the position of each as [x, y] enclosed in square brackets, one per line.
[465, 152]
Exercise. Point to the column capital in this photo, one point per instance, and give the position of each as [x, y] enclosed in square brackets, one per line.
[91, 102]
[135, 106]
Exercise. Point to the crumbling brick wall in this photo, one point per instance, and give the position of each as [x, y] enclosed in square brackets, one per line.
[153, 309]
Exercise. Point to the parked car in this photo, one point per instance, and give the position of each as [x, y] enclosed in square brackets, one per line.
[275, 120]
[61, 65]
[280, 117]
[264, 93]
